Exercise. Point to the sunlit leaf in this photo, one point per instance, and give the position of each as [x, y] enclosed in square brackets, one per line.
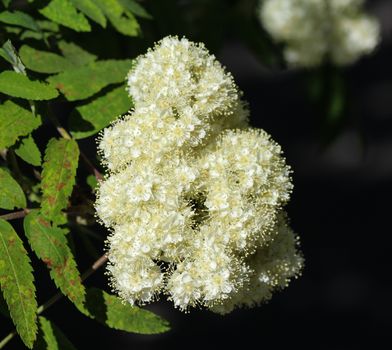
[58, 177]
[8, 52]
[121, 19]
[85, 81]
[50, 245]
[11, 195]
[29, 151]
[17, 283]
[127, 25]
[64, 13]
[20, 19]
[90, 118]
[135, 8]
[18, 85]
[43, 61]
[15, 122]
[111, 8]
[76, 54]
[48, 26]
[91, 10]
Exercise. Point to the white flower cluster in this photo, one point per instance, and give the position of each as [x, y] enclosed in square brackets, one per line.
[193, 196]
[317, 30]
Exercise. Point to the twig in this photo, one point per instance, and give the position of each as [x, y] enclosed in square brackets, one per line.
[15, 215]
[7, 339]
[90, 165]
[64, 133]
[94, 267]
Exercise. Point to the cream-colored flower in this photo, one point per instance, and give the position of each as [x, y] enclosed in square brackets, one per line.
[192, 194]
[317, 30]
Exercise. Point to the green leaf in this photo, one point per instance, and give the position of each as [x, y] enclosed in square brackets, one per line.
[50, 245]
[83, 82]
[109, 310]
[113, 10]
[337, 99]
[29, 34]
[18, 85]
[13, 30]
[135, 8]
[92, 117]
[64, 13]
[48, 26]
[51, 338]
[91, 10]
[91, 180]
[20, 19]
[6, 2]
[43, 61]
[29, 151]
[76, 54]
[126, 25]
[11, 195]
[58, 177]
[8, 52]
[15, 122]
[17, 283]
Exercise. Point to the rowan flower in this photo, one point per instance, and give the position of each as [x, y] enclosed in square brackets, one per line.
[316, 30]
[193, 195]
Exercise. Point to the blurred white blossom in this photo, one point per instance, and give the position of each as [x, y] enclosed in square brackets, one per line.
[193, 195]
[313, 31]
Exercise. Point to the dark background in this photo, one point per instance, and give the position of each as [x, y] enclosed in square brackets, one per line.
[340, 208]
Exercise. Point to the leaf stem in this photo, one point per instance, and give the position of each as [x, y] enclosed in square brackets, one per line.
[92, 168]
[15, 215]
[7, 339]
[94, 267]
